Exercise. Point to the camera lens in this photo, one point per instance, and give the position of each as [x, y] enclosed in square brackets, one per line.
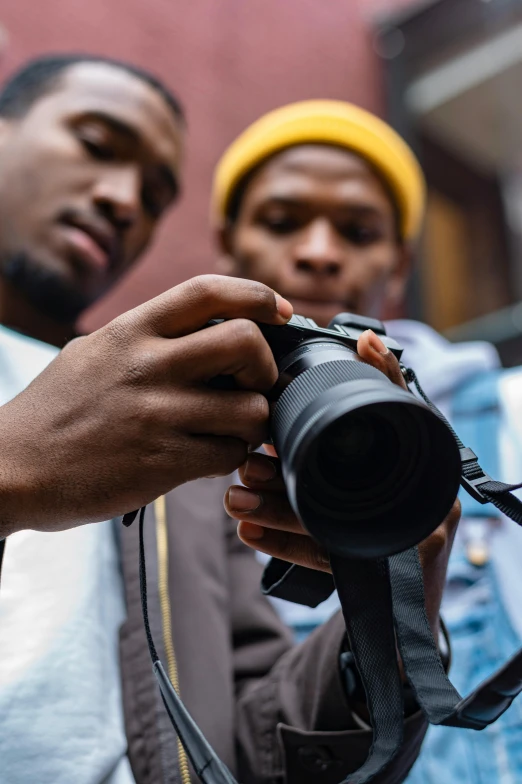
[356, 451]
[370, 470]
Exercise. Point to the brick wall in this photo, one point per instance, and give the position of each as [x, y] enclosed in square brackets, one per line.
[229, 61]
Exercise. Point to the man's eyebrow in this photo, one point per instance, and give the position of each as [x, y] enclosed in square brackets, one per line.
[285, 200]
[125, 129]
[116, 125]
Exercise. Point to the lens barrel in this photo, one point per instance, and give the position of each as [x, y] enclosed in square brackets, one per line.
[369, 469]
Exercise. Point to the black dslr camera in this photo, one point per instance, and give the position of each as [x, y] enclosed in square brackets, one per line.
[369, 468]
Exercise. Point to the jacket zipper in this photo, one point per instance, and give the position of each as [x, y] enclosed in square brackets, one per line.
[164, 598]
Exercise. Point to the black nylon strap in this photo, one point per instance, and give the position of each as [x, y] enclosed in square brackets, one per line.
[143, 587]
[2, 551]
[500, 495]
[206, 763]
[474, 480]
[420, 656]
[296, 583]
[365, 593]
[130, 517]
[436, 695]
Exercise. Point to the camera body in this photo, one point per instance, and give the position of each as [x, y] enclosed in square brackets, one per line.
[295, 345]
[345, 328]
[369, 468]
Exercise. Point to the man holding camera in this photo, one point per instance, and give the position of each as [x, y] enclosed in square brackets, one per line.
[90, 156]
[323, 202]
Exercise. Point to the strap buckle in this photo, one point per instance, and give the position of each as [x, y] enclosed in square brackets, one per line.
[472, 486]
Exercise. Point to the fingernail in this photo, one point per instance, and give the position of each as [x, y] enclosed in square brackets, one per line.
[248, 530]
[284, 307]
[259, 469]
[242, 500]
[376, 343]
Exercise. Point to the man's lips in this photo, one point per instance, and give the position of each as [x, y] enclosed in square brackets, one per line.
[95, 245]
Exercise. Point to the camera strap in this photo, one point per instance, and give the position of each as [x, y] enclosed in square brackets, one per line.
[474, 480]
[2, 551]
[364, 589]
[207, 765]
[439, 700]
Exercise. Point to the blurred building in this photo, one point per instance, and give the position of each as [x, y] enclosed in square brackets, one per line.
[453, 82]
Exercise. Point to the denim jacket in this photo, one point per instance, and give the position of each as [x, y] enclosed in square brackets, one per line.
[478, 608]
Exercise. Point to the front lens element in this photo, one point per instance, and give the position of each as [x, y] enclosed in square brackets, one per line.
[357, 451]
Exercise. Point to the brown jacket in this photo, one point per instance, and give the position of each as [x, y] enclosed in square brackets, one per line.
[272, 711]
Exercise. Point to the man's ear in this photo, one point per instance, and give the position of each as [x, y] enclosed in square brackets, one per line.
[225, 264]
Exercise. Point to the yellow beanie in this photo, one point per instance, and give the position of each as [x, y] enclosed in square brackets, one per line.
[326, 122]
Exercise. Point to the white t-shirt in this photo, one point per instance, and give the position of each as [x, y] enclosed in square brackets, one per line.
[61, 607]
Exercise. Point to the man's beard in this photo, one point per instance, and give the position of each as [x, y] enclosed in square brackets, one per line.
[44, 289]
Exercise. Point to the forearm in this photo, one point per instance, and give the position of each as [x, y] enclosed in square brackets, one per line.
[36, 491]
[13, 490]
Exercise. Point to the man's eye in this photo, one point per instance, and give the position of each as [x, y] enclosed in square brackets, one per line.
[280, 224]
[151, 204]
[360, 235]
[102, 152]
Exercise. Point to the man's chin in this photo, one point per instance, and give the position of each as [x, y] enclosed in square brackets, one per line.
[46, 289]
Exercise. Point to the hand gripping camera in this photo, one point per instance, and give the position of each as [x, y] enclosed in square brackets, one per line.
[370, 469]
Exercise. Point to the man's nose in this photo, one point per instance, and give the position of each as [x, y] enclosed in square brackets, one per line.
[117, 195]
[318, 252]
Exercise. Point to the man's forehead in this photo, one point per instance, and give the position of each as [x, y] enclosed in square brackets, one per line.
[307, 166]
[110, 89]
[322, 161]
[106, 81]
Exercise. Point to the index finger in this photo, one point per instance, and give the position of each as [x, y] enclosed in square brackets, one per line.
[187, 307]
[371, 348]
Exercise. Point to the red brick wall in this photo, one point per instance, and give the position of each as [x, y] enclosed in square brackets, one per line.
[230, 61]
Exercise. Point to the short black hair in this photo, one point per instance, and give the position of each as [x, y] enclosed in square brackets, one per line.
[41, 75]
